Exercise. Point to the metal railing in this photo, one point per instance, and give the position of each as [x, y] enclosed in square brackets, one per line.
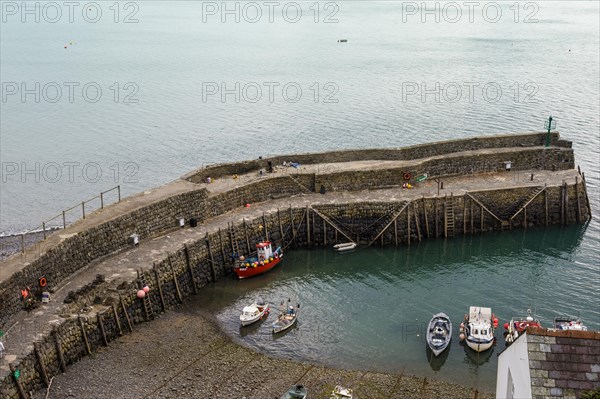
[45, 226]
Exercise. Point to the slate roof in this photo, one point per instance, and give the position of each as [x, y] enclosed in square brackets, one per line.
[563, 364]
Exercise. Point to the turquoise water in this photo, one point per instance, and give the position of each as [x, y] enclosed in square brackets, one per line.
[369, 309]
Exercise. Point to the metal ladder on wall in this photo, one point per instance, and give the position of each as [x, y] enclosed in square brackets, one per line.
[449, 216]
[148, 311]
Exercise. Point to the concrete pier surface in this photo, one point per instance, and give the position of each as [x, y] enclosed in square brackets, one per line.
[220, 204]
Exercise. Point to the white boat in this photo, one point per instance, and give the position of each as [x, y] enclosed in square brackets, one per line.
[346, 246]
[255, 312]
[569, 323]
[478, 330]
[340, 392]
[286, 319]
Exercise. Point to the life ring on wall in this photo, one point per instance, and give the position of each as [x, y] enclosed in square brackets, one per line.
[406, 176]
[43, 282]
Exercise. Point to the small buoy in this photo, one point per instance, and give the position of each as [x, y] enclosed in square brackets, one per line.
[247, 205]
[65, 46]
[342, 40]
[242, 257]
[146, 289]
[506, 326]
[462, 325]
[141, 294]
[461, 337]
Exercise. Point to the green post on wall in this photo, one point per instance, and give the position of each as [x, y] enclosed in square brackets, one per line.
[550, 124]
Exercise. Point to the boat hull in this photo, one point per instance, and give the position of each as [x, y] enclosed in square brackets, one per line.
[479, 346]
[255, 271]
[280, 327]
[438, 347]
[247, 322]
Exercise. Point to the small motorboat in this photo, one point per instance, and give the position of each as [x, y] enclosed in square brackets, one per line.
[439, 333]
[478, 330]
[286, 319]
[340, 392]
[346, 246]
[264, 260]
[296, 392]
[569, 323]
[255, 312]
[517, 326]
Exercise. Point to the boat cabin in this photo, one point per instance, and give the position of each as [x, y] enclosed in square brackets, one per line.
[250, 311]
[264, 250]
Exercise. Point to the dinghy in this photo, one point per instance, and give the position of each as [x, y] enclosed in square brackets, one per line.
[569, 323]
[296, 392]
[439, 333]
[346, 246]
[286, 319]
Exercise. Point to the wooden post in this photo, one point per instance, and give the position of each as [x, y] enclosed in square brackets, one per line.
[64, 220]
[179, 297]
[84, 335]
[126, 314]
[396, 231]
[119, 192]
[525, 217]
[546, 206]
[435, 205]
[577, 196]
[471, 212]
[567, 221]
[102, 330]
[245, 235]
[464, 215]
[408, 223]
[324, 233]
[190, 268]
[426, 220]
[101, 200]
[212, 260]
[280, 228]
[160, 290]
[59, 352]
[314, 236]
[417, 221]
[223, 256]
[307, 227]
[83, 209]
[40, 361]
[264, 219]
[562, 204]
[22, 394]
[481, 221]
[117, 320]
[44, 229]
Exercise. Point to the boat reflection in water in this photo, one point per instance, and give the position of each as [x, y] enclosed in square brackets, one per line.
[436, 362]
[252, 328]
[477, 358]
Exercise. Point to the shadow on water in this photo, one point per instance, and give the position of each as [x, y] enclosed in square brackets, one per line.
[477, 358]
[436, 362]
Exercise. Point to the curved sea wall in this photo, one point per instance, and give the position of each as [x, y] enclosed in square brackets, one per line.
[183, 272]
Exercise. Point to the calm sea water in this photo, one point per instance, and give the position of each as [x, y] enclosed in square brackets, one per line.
[369, 309]
[155, 121]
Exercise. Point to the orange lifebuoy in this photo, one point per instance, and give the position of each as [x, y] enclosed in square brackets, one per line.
[43, 282]
[407, 176]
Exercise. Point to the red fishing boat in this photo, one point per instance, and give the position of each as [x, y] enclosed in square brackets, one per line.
[265, 260]
[517, 326]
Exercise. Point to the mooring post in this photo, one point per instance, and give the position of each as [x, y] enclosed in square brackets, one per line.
[177, 291]
[186, 251]
[577, 196]
[264, 219]
[84, 335]
[314, 234]
[546, 207]
[445, 216]
[212, 259]
[64, 220]
[126, 314]
[245, 235]
[44, 229]
[160, 290]
[426, 220]
[307, 227]
[40, 361]
[464, 201]
[15, 377]
[417, 221]
[102, 330]
[280, 228]
[435, 206]
[59, 352]
[408, 223]
[396, 231]
[324, 233]
[83, 209]
[117, 320]
[525, 217]
[481, 221]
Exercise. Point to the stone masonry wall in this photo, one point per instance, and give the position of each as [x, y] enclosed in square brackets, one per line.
[184, 272]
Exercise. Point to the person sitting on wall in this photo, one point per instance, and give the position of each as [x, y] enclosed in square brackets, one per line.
[270, 167]
[208, 180]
